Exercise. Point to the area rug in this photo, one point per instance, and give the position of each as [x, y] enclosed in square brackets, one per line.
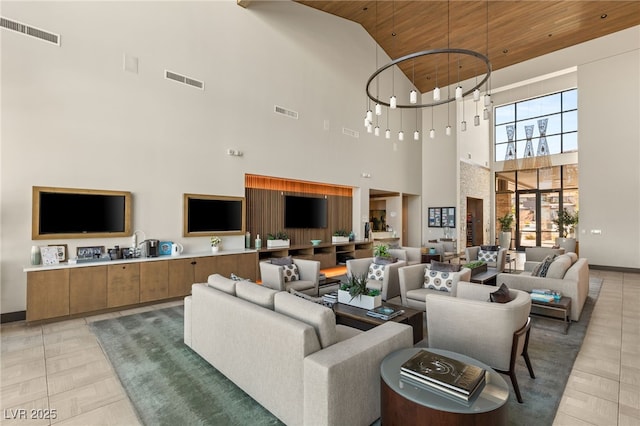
[552, 355]
[167, 382]
[170, 384]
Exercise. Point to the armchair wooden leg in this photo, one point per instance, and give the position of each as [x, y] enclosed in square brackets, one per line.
[516, 389]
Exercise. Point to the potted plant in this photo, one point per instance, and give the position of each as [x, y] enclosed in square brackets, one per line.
[340, 236]
[279, 239]
[476, 267]
[566, 222]
[506, 223]
[215, 243]
[381, 252]
[354, 292]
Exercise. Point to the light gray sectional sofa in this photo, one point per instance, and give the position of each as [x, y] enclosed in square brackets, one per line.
[567, 274]
[288, 353]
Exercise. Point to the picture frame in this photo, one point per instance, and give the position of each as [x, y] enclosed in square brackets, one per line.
[62, 252]
[49, 255]
[90, 252]
[441, 217]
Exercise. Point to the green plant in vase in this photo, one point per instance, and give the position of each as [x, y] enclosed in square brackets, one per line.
[356, 285]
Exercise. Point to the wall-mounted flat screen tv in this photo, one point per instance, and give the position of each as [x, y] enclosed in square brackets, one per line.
[212, 214]
[305, 212]
[80, 213]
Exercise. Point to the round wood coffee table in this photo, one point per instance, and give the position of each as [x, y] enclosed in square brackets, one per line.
[404, 404]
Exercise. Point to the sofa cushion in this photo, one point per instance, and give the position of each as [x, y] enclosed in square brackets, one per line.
[559, 266]
[306, 296]
[321, 318]
[290, 273]
[501, 295]
[256, 293]
[376, 272]
[573, 256]
[444, 266]
[487, 256]
[287, 260]
[438, 280]
[221, 283]
[543, 267]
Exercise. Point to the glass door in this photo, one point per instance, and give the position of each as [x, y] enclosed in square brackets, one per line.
[535, 212]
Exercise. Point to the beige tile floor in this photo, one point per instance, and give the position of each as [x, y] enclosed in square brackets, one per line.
[59, 368]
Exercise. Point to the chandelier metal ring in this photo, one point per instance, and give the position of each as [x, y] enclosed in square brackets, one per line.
[426, 53]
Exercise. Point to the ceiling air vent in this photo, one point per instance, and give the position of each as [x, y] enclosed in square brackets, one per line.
[286, 112]
[30, 31]
[350, 132]
[170, 75]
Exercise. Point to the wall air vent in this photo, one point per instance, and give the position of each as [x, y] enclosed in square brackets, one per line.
[30, 31]
[170, 75]
[286, 112]
[350, 132]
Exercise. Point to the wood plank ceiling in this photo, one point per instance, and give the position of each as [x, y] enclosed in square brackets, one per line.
[510, 31]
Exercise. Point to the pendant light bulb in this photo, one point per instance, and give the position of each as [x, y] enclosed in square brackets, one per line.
[413, 97]
[436, 94]
[366, 122]
[370, 115]
[459, 93]
[485, 113]
[387, 134]
[393, 102]
[376, 131]
[401, 135]
[487, 100]
[447, 130]
[476, 120]
[432, 133]
[476, 95]
[378, 109]
[416, 135]
[369, 128]
[463, 126]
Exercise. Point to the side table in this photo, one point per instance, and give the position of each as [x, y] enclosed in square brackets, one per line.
[404, 404]
[427, 258]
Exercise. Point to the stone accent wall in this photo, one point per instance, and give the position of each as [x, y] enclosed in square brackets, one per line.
[475, 182]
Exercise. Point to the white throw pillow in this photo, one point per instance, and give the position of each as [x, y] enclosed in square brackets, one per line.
[438, 280]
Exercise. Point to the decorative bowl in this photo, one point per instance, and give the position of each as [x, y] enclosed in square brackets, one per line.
[316, 242]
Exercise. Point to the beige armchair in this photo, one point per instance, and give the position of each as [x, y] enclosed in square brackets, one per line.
[500, 263]
[273, 276]
[411, 280]
[388, 286]
[494, 333]
[411, 255]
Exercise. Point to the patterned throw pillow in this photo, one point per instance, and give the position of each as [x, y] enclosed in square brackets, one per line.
[290, 273]
[376, 272]
[488, 256]
[541, 268]
[501, 295]
[438, 280]
[237, 278]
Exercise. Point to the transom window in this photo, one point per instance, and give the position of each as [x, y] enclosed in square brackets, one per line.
[537, 127]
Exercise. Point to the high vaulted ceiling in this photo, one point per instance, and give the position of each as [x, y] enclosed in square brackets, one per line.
[510, 31]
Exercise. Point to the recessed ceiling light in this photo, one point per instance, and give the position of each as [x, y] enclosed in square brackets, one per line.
[505, 51]
[603, 16]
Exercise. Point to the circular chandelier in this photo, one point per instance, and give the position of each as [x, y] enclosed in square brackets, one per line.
[459, 94]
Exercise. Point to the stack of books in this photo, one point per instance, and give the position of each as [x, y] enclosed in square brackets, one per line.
[329, 299]
[384, 313]
[444, 375]
[542, 295]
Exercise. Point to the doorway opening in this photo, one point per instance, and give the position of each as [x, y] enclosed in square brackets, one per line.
[475, 219]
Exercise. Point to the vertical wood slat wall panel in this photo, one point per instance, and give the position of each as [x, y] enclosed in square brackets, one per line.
[265, 214]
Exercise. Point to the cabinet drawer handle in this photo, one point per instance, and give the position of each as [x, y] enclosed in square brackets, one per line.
[194, 262]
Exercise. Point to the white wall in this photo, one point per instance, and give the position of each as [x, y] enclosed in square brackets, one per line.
[72, 117]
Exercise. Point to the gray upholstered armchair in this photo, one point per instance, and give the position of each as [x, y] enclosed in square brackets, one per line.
[388, 285]
[277, 277]
[411, 255]
[412, 279]
[476, 253]
[494, 333]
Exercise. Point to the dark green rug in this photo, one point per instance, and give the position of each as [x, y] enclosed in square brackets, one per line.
[167, 382]
[170, 384]
[552, 355]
